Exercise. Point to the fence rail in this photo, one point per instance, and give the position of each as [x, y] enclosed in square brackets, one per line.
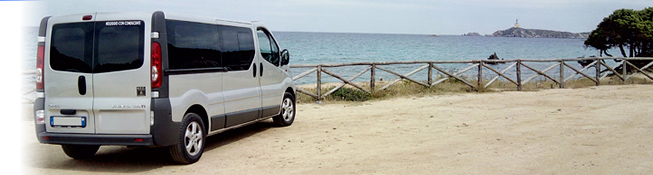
[596, 66]
[596, 70]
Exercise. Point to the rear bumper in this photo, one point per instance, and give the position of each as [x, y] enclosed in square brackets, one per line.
[94, 139]
[164, 133]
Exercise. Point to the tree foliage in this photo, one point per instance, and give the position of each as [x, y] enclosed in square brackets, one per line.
[631, 31]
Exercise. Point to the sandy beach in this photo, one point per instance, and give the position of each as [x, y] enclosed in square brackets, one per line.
[594, 130]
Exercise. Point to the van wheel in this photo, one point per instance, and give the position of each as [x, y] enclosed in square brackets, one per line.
[287, 115]
[80, 151]
[190, 145]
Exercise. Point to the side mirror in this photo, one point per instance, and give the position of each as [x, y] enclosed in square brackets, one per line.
[285, 57]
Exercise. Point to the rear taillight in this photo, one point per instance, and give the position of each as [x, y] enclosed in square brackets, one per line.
[40, 116]
[39, 66]
[157, 68]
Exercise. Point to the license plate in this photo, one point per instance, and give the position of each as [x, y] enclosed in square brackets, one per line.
[68, 121]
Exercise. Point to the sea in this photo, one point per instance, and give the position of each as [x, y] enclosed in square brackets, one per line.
[333, 48]
[317, 48]
[330, 48]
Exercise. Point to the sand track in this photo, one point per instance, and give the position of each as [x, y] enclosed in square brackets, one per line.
[596, 130]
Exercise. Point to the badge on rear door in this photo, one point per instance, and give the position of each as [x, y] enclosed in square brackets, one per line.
[140, 91]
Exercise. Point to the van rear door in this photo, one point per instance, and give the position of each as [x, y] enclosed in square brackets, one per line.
[68, 75]
[96, 81]
[121, 82]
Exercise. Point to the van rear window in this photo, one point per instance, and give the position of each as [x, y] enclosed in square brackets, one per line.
[96, 47]
[72, 47]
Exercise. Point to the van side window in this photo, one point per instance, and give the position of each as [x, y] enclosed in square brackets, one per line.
[193, 45]
[238, 47]
[269, 49]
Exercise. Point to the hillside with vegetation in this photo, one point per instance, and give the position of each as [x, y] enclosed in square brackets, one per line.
[537, 33]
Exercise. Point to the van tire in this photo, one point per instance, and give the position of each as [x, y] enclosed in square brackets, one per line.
[80, 151]
[192, 134]
[287, 114]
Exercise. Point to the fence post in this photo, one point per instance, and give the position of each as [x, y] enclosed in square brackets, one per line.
[319, 83]
[519, 88]
[562, 74]
[624, 70]
[429, 81]
[372, 78]
[480, 76]
[598, 71]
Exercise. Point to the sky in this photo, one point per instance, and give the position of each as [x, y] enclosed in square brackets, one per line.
[453, 17]
[373, 16]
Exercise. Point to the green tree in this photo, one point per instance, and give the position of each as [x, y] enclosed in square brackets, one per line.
[631, 31]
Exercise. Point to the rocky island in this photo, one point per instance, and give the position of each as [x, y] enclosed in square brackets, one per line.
[472, 34]
[518, 31]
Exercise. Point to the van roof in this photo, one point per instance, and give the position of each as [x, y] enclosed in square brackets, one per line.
[177, 16]
[198, 17]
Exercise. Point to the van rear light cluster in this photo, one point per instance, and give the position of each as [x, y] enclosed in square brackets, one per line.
[40, 116]
[157, 68]
[39, 66]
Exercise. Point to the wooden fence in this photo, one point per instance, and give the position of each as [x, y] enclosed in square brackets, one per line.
[596, 70]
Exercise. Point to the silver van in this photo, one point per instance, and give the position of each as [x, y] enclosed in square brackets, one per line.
[155, 79]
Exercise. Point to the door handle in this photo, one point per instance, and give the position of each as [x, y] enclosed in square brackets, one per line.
[261, 64]
[254, 74]
[81, 85]
[68, 111]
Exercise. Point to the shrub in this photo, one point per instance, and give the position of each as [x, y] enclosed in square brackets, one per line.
[350, 94]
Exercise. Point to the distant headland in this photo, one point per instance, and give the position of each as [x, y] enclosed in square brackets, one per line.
[518, 31]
